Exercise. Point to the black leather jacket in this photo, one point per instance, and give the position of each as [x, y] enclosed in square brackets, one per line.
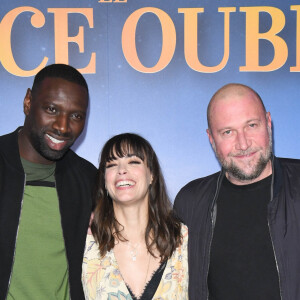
[74, 178]
[196, 206]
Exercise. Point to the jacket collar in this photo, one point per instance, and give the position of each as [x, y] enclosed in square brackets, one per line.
[10, 149]
[277, 175]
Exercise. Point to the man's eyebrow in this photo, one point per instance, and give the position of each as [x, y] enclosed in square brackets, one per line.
[247, 122]
[251, 120]
[60, 105]
[225, 128]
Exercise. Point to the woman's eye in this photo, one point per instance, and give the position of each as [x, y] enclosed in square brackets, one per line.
[110, 165]
[135, 162]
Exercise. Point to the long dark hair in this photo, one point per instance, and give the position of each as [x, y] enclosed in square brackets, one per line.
[163, 230]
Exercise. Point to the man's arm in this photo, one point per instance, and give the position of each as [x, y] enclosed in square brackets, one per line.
[183, 205]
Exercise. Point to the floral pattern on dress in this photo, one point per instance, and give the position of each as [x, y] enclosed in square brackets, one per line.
[102, 280]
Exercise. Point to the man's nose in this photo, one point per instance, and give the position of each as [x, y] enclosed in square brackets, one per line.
[61, 124]
[243, 143]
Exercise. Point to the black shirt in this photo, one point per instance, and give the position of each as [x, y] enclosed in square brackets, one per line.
[151, 285]
[242, 262]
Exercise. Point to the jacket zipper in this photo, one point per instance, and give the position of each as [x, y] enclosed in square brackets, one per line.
[276, 262]
[63, 238]
[12, 266]
[213, 221]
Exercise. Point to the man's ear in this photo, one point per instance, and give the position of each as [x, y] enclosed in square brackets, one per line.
[269, 120]
[211, 140]
[27, 102]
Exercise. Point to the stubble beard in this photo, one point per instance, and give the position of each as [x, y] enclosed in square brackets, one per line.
[239, 174]
[38, 142]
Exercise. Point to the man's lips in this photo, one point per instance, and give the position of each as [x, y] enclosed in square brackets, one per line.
[54, 143]
[245, 155]
[249, 154]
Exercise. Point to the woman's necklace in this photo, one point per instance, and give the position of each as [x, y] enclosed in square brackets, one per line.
[133, 250]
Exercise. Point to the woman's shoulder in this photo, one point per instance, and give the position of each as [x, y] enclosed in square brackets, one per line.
[184, 230]
[182, 248]
[91, 247]
[184, 234]
[90, 239]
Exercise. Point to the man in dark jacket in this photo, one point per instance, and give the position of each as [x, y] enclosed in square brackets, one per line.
[244, 222]
[45, 191]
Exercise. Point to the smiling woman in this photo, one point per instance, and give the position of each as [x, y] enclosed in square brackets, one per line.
[127, 179]
[138, 249]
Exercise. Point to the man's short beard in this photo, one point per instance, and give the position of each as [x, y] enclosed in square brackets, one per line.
[234, 171]
[38, 143]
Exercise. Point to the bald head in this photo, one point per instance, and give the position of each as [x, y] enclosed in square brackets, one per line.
[240, 132]
[229, 91]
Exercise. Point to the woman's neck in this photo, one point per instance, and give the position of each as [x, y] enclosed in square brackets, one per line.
[134, 219]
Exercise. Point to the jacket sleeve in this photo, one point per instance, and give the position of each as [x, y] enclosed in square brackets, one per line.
[183, 204]
[1, 173]
[195, 199]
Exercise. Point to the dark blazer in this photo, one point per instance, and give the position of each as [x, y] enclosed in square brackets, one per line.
[196, 206]
[74, 178]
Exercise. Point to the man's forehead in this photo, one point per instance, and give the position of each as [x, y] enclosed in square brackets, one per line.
[53, 81]
[55, 86]
[234, 109]
[230, 91]
[240, 96]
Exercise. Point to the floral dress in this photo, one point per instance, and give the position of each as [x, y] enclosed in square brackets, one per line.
[102, 280]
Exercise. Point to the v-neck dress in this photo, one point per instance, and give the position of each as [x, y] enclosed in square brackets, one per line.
[102, 280]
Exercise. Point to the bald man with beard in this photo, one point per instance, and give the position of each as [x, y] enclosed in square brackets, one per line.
[244, 221]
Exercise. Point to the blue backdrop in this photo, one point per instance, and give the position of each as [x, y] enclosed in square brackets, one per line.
[167, 107]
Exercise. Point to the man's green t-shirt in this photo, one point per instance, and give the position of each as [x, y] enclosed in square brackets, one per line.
[40, 269]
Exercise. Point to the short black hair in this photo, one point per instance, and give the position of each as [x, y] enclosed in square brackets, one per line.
[59, 71]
